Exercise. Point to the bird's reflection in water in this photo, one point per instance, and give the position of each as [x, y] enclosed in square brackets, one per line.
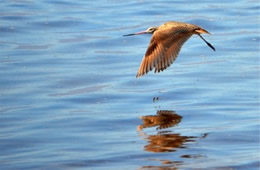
[163, 119]
[165, 140]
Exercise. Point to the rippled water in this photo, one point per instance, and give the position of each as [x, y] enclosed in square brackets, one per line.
[69, 98]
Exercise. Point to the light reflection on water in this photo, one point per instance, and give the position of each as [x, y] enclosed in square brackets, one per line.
[69, 97]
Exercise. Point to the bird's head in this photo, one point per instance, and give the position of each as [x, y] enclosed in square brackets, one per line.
[149, 30]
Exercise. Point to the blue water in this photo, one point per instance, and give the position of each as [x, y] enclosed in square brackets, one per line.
[69, 98]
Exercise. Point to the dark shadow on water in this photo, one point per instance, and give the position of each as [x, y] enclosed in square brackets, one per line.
[165, 140]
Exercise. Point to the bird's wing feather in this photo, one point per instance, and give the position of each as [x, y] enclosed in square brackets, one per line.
[162, 51]
[151, 57]
[173, 46]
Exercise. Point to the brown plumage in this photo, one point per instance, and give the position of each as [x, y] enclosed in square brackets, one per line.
[166, 44]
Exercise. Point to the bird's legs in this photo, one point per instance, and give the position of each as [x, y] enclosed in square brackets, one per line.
[211, 46]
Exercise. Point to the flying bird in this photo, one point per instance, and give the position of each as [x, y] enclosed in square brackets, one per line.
[166, 43]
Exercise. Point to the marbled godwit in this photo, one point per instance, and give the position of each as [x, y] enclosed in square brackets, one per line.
[166, 43]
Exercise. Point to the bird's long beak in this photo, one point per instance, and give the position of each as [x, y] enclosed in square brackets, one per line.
[138, 33]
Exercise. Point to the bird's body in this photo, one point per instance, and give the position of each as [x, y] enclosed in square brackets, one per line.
[165, 44]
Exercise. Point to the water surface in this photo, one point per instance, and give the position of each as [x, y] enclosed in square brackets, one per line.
[69, 98]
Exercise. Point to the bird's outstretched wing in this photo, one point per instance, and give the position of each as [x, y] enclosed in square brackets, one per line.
[162, 51]
[151, 58]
